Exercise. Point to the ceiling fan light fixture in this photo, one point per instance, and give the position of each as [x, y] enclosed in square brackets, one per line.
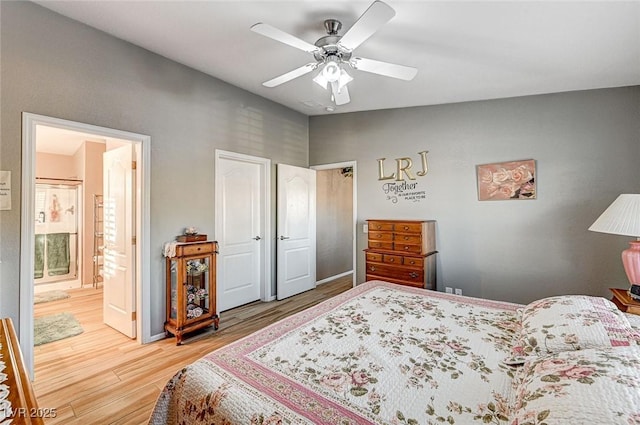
[320, 80]
[331, 71]
[335, 74]
[344, 79]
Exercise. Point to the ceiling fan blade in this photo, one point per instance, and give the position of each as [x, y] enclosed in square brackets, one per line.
[304, 69]
[384, 68]
[283, 37]
[340, 96]
[372, 19]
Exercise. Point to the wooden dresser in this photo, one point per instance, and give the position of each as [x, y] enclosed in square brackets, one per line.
[402, 251]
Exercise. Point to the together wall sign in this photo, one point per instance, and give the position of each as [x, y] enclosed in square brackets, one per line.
[400, 189]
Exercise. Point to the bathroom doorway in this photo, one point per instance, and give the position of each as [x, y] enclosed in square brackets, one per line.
[86, 146]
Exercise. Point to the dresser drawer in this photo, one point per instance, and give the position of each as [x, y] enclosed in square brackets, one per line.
[194, 249]
[392, 259]
[369, 277]
[381, 245]
[402, 273]
[413, 261]
[380, 225]
[408, 227]
[416, 249]
[380, 236]
[374, 256]
[407, 238]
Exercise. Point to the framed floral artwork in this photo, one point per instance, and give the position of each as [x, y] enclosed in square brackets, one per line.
[507, 180]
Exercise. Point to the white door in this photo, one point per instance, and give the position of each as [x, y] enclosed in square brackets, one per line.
[296, 238]
[119, 266]
[240, 230]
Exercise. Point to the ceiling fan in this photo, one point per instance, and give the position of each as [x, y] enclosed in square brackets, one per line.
[333, 53]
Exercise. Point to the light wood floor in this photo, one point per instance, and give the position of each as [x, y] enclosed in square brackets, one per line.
[102, 377]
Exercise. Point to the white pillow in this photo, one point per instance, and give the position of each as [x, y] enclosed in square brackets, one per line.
[572, 322]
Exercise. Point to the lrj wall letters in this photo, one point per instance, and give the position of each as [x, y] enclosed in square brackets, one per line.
[403, 166]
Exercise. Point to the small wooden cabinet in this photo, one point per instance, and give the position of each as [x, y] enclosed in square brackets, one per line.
[191, 288]
[624, 302]
[402, 251]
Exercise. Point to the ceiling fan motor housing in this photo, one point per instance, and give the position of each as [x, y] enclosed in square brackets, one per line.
[329, 43]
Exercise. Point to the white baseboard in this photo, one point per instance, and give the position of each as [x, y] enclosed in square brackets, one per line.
[329, 279]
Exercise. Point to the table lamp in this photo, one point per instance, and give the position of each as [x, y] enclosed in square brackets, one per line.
[623, 218]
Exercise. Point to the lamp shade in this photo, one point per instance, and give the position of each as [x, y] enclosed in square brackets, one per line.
[621, 218]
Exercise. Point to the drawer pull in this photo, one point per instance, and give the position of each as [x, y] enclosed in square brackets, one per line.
[372, 268]
[391, 260]
[413, 275]
[378, 227]
[406, 238]
[406, 227]
[406, 247]
[412, 262]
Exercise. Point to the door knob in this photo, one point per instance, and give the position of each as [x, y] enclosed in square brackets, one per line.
[284, 237]
[257, 238]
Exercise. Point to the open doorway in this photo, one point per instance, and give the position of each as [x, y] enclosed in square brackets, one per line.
[58, 154]
[336, 219]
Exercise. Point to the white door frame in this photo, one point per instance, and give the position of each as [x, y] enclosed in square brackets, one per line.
[352, 164]
[265, 169]
[142, 220]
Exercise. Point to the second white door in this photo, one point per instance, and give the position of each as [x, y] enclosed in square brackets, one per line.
[240, 228]
[296, 270]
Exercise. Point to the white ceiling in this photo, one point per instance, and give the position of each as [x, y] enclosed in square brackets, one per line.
[464, 51]
[61, 141]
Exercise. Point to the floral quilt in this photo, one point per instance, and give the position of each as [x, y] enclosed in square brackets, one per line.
[584, 387]
[378, 354]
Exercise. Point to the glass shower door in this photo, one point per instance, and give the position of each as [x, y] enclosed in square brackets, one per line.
[56, 232]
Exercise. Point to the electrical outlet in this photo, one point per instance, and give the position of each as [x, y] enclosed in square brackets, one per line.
[458, 291]
[448, 290]
[365, 228]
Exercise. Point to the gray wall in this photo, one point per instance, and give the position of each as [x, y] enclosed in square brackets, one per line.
[587, 148]
[54, 66]
[334, 223]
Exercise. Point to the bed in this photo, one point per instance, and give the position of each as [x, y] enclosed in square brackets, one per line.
[387, 354]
